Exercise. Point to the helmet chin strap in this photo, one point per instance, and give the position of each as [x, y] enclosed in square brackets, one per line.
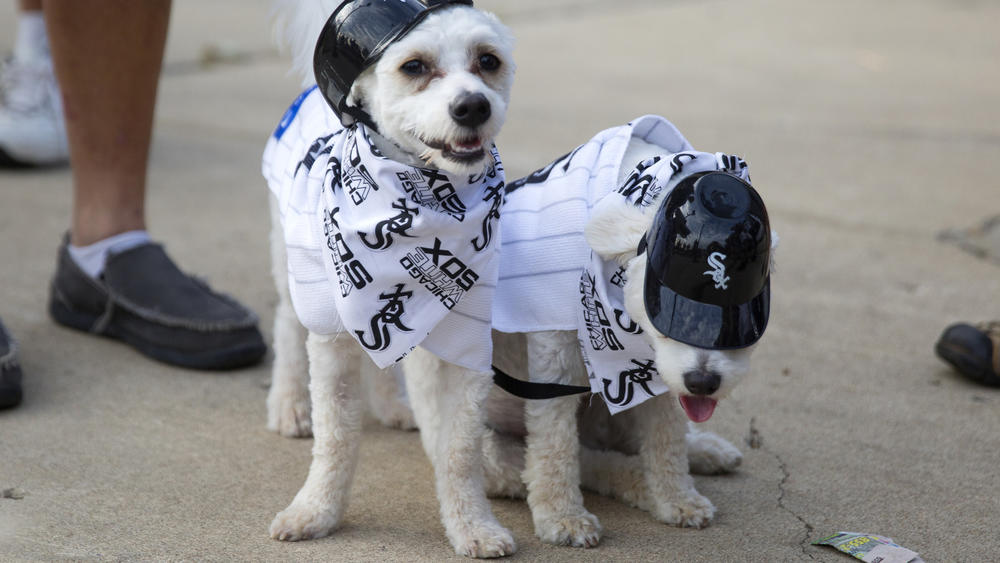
[641, 246]
[358, 115]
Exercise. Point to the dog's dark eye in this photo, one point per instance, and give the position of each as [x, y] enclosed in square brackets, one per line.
[489, 62]
[414, 68]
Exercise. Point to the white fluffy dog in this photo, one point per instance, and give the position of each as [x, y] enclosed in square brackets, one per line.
[641, 456]
[435, 98]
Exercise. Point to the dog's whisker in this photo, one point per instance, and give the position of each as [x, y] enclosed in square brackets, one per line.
[427, 156]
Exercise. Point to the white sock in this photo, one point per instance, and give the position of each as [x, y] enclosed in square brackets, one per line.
[91, 258]
[32, 40]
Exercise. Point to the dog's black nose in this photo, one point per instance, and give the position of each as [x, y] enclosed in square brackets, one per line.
[702, 381]
[470, 110]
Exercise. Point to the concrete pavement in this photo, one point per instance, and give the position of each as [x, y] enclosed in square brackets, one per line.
[870, 128]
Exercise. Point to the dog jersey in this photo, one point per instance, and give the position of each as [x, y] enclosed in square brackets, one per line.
[550, 279]
[395, 255]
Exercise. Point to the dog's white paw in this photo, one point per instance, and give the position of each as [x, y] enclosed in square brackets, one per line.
[303, 522]
[289, 412]
[578, 529]
[501, 485]
[695, 511]
[386, 392]
[711, 454]
[395, 414]
[483, 542]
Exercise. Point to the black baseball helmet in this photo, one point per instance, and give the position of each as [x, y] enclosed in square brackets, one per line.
[708, 278]
[354, 37]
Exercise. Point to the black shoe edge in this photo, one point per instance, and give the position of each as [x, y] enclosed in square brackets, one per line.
[11, 394]
[224, 359]
[966, 366]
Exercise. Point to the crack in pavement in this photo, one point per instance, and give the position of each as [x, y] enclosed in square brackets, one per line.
[785, 476]
[536, 12]
[214, 56]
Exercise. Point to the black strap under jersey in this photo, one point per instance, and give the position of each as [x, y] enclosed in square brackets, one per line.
[534, 391]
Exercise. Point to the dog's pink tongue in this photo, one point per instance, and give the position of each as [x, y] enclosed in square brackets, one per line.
[470, 144]
[698, 409]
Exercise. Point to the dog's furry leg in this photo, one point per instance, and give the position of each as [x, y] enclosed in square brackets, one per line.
[663, 454]
[385, 391]
[448, 404]
[552, 459]
[620, 476]
[503, 463]
[616, 475]
[288, 409]
[711, 454]
[337, 407]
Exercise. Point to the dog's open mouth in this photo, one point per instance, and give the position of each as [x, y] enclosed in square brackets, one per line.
[466, 150]
[698, 408]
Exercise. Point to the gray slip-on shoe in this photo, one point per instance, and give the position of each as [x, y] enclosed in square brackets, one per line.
[10, 371]
[145, 301]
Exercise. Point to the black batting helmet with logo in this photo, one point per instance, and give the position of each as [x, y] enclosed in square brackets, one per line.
[354, 37]
[708, 263]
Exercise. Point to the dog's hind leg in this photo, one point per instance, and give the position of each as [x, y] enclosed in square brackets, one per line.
[711, 454]
[337, 408]
[385, 391]
[614, 474]
[663, 455]
[288, 410]
[552, 459]
[448, 404]
[503, 463]
[618, 475]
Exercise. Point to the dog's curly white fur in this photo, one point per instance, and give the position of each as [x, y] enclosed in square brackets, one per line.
[408, 92]
[642, 456]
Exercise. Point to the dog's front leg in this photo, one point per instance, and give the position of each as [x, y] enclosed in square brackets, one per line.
[288, 411]
[448, 404]
[385, 390]
[335, 388]
[552, 459]
[663, 454]
[711, 454]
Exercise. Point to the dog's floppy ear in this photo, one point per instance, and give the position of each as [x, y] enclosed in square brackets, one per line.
[615, 228]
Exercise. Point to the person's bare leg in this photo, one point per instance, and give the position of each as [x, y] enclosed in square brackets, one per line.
[107, 56]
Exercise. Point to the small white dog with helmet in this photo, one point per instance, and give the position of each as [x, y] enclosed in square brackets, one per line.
[433, 104]
[386, 193]
[644, 264]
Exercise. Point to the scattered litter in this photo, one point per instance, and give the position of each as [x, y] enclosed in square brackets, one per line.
[14, 494]
[754, 440]
[870, 548]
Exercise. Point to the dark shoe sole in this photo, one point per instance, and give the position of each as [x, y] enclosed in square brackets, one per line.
[8, 161]
[968, 366]
[10, 397]
[10, 387]
[233, 357]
